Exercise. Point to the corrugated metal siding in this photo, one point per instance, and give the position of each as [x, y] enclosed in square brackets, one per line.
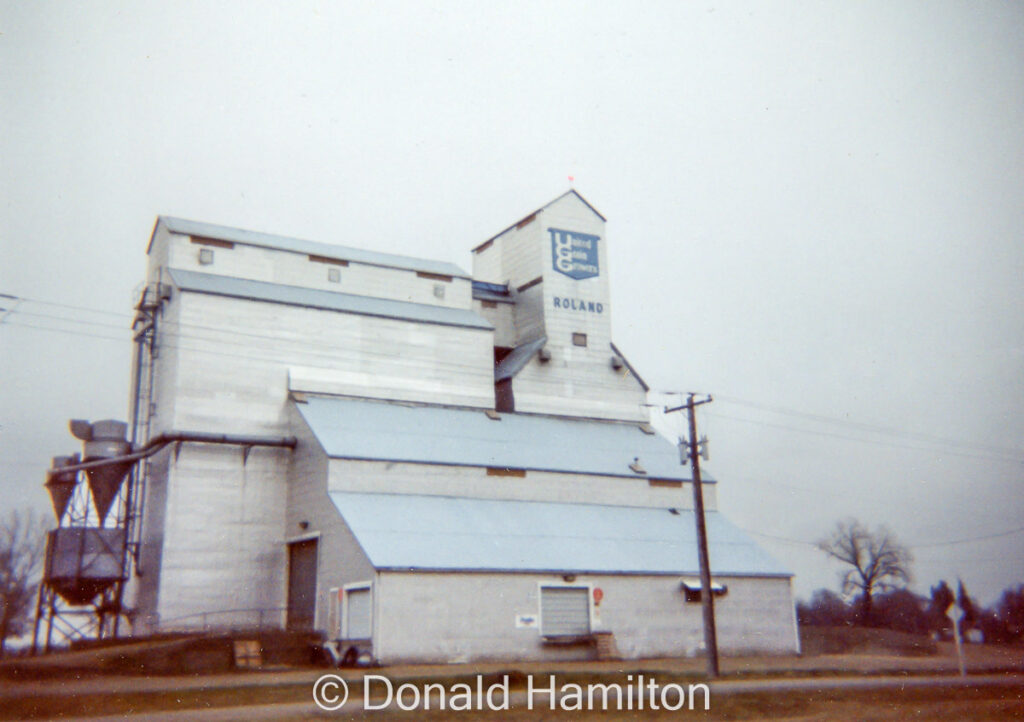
[564, 611]
[407, 531]
[356, 429]
[315, 298]
[285, 243]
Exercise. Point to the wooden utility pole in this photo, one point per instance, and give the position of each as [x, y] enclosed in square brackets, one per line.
[707, 601]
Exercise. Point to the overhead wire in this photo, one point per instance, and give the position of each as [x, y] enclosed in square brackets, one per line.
[307, 343]
[878, 442]
[1000, 452]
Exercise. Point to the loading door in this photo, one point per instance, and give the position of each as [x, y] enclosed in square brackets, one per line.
[564, 611]
[358, 614]
[301, 584]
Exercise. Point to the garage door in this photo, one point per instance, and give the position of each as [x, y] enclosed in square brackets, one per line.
[564, 611]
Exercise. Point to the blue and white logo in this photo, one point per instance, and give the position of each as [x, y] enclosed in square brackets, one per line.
[574, 254]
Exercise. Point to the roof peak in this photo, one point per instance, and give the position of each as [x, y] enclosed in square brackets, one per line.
[570, 192]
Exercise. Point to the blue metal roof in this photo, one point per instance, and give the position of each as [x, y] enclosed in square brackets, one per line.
[497, 292]
[297, 245]
[406, 531]
[377, 430]
[329, 300]
[518, 358]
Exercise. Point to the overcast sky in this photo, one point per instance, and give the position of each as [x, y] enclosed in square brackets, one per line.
[814, 213]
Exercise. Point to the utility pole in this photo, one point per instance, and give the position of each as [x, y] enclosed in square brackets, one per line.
[706, 598]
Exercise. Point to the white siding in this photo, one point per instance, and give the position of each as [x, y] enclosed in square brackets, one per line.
[234, 357]
[310, 512]
[295, 269]
[474, 482]
[222, 535]
[471, 617]
[515, 257]
[578, 381]
[501, 316]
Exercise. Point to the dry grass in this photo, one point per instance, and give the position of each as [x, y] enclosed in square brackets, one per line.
[64, 695]
[864, 640]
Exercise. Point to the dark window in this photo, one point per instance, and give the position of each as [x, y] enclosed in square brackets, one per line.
[215, 242]
[327, 259]
[434, 276]
[579, 339]
[499, 471]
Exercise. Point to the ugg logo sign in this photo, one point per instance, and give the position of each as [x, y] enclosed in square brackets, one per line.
[574, 254]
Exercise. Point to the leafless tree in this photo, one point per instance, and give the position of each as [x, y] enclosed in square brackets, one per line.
[879, 562]
[21, 553]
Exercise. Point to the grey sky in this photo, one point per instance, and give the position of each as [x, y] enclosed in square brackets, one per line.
[813, 208]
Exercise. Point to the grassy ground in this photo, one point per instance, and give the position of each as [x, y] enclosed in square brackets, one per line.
[879, 653]
[931, 705]
[938, 704]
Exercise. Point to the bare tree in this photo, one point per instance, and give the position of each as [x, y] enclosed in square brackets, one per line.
[21, 552]
[879, 562]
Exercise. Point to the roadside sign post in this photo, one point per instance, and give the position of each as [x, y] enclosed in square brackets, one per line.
[956, 614]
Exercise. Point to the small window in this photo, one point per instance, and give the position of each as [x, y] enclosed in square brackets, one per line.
[438, 290]
[334, 275]
[692, 589]
[579, 339]
[434, 276]
[505, 471]
[215, 242]
[327, 259]
[205, 256]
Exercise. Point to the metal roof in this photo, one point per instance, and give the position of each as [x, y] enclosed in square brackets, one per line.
[497, 292]
[297, 245]
[417, 532]
[518, 358]
[629, 366]
[314, 298]
[571, 192]
[378, 430]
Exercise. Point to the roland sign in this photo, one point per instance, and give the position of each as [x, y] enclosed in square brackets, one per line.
[574, 254]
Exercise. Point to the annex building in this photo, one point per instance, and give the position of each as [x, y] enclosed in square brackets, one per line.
[473, 477]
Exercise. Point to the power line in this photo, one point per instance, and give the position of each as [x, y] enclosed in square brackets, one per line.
[787, 540]
[879, 442]
[868, 428]
[863, 427]
[965, 540]
[336, 353]
[310, 347]
[332, 352]
[120, 314]
[68, 331]
[952, 542]
[997, 452]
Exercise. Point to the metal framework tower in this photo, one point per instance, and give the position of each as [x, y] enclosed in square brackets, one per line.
[90, 555]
